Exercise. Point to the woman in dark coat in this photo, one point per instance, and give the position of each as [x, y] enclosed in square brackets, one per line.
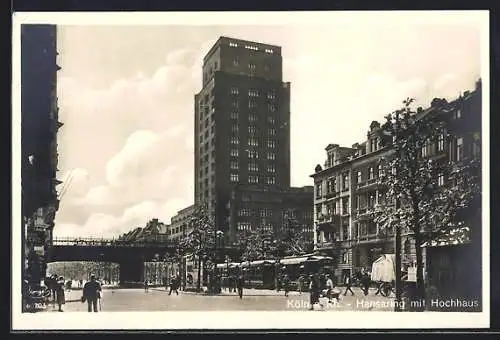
[61, 299]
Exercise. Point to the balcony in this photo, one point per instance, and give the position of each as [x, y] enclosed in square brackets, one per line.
[368, 185]
[326, 245]
[332, 194]
[327, 219]
[363, 213]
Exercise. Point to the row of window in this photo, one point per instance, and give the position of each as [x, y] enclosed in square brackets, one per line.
[234, 165]
[332, 187]
[251, 66]
[362, 201]
[266, 212]
[252, 104]
[253, 154]
[253, 93]
[333, 208]
[252, 129]
[253, 142]
[252, 179]
[251, 47]
[252, 117]
[359, 229]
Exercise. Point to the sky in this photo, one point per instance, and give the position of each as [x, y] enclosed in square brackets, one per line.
[126, 98]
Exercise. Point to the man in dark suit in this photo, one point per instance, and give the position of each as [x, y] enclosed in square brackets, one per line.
[91, 293]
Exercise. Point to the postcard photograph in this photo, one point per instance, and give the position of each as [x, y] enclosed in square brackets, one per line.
[250, 170]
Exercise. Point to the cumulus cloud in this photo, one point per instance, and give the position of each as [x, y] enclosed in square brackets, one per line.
[107, 225]
[131, 161]
[132, 136]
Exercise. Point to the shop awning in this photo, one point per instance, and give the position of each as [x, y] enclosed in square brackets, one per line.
[320, 258]
[260, 262]
[294, 260]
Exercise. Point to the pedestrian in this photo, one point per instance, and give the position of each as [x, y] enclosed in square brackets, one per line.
[314, 292]
[348, 284]
[330, 289]
[240, 283]
[366, 282]
[146, 286]
[233, 283]
[80, 283]
[300, 283]
[91, 293]
[286, 284]
[60, 296]
[174, 285]
[53, 287]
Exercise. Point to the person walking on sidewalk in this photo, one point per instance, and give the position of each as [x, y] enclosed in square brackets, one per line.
[286, 284]
[60, 295]
[300, 283]
[348, 283]
[91, 293]
[240, 283]
[314, 289]
[366, 281]
[174, 285]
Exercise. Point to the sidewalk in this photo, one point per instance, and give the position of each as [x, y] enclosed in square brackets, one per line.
[246, 292]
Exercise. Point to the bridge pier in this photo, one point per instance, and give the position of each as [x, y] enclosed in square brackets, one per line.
[131, 273]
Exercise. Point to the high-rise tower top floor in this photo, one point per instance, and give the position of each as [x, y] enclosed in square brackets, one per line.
[242, 44]
[243, 58]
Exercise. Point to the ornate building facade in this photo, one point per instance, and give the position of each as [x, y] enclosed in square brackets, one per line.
[346, 188]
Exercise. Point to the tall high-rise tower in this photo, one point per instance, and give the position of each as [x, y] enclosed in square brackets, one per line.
[242, 123]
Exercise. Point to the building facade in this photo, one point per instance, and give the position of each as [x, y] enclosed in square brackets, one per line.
[179, 224]
[242, 124]
[39, 126]
[346, 189]
[252, 208]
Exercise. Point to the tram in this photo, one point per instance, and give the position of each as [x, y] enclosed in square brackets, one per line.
[263, 274]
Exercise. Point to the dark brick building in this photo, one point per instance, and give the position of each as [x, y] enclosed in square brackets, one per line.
[251, 208]
[39, 125]
[242, 124]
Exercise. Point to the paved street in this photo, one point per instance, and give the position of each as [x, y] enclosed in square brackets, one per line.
[157, 299]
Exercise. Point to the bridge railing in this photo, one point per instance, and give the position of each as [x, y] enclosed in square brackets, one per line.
[92, 242]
